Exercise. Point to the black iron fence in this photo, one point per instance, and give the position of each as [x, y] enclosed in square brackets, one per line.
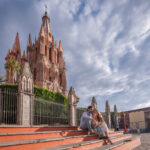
[48, 112]
[45, 111]
[8, 106]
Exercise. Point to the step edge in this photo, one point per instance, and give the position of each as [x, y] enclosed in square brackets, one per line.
[88, 142]
[42, 132]
[93, 142]
[117, 136]
[123, 142]
[4, 144]
[34, 126]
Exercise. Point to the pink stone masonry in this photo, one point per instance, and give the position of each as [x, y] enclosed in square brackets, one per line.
[45, 58]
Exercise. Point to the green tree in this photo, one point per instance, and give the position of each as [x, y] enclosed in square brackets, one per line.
[13, 66]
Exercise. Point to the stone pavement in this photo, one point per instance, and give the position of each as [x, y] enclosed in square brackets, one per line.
[145, 142]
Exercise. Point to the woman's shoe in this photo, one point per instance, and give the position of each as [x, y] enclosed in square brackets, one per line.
[102, 137]
[105, 137]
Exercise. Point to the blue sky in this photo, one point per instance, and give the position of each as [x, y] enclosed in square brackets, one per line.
[106, 45]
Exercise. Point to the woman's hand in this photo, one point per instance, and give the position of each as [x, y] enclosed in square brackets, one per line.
[93, 123]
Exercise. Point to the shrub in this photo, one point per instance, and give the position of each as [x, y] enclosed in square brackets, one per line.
[49, 95]
[13, 87]
[40, 93]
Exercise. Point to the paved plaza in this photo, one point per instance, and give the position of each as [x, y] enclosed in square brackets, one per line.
[145, 142]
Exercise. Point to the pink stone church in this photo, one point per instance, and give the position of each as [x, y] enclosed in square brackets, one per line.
[45, 58]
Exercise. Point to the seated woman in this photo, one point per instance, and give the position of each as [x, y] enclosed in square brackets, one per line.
[99, 121]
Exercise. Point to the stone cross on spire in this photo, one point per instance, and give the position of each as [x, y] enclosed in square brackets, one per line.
[45, 8]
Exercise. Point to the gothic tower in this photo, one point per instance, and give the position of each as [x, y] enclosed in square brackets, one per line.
[45, 58]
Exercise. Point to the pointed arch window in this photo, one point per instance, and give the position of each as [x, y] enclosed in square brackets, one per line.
[50, 54]
[60, 79]
[35, 74]
[50, 78]
[45, 50]
[36, 53]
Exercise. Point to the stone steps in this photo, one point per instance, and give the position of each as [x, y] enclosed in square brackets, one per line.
[125, 144]
[36, 143]
[36, 138]
[87, 144]
[7, 137]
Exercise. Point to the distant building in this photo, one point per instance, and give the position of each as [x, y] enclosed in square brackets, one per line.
[45, 58]
[138, 118]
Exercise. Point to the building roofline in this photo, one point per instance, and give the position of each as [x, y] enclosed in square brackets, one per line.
[140, 109]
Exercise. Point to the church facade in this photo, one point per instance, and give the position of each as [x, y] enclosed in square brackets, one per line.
[45, 58]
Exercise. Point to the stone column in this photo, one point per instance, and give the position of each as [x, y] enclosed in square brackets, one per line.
[73, 100]
[116, 118]
[25, 97]
[94, 103]
[108, 115]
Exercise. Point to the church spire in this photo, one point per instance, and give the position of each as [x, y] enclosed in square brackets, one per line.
[46, 21]
[24, 55]
[23, 58]
[29, 40]
[16, 46]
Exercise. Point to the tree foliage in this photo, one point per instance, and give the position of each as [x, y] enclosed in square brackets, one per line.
[13, 66]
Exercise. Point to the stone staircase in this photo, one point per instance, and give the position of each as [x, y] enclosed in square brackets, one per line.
[61, 138]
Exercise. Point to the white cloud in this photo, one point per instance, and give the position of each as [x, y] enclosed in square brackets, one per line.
[92, 44]
[142, 105]
[105, 46]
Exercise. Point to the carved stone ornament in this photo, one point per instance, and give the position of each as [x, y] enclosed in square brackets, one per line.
[26, 70]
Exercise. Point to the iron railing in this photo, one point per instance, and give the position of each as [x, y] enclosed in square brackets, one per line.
[48, 112]
[8, 106]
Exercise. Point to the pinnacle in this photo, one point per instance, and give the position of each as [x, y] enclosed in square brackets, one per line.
[8, 51]
[55, 44]
[29, 40]
[52, 40]
[60, 47]
[24, 55]
[16, 45]
[42, 33]
[7, 54]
